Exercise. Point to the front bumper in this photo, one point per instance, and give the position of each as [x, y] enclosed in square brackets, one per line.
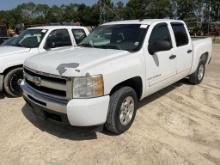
[1, 82]
[88, 112]
[80, 112]
[55, 104]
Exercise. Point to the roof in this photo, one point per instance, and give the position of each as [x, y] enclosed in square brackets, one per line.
[143, 21]
[57, 27]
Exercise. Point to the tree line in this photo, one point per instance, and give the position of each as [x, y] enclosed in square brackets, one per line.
[196, 13]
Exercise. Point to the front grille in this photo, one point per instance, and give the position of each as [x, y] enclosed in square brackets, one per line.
[37, 101]
[47, 90]
[48, 84]
[43, 76]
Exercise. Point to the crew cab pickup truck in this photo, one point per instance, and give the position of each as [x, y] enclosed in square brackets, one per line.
[101, 81]
[31, 42]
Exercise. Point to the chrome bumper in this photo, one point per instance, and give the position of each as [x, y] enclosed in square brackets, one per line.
[1, 82]
[53, 104]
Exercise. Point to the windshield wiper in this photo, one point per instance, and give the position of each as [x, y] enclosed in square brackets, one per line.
[115, 47]
[109, 47]
[86, 45]
[20, 45]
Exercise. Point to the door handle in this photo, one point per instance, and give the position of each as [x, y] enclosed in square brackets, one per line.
[189, 51]
[172, 57]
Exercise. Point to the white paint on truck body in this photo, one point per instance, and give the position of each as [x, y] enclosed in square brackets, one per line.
[155, 71]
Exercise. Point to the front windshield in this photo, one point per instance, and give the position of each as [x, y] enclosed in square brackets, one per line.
[8, 41]
[30, 38]
[118, 36]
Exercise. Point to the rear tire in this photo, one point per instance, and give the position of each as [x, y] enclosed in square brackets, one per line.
[122, 110]
[12, 82]
[198, 75]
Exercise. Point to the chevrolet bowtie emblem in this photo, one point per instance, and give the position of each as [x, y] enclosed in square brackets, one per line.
[37, 81]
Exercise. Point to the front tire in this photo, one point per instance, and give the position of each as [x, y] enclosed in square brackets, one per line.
[198, 75]
[12, 82]
[122, 110]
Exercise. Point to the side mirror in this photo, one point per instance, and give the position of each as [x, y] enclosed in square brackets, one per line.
[159, 46]
[49, 45]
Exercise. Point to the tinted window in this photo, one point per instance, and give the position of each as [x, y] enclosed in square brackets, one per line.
[160, 33]
[59, 38]
[79, 35]
[180, 34]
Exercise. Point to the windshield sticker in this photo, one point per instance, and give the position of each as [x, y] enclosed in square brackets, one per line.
[136, 43]
[43, 31]
[143, 26]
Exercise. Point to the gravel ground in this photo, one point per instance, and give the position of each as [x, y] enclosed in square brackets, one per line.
[179, 125]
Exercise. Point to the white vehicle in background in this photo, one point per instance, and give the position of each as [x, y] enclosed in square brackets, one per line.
[31, 42]
[9, 41]
[118, 64]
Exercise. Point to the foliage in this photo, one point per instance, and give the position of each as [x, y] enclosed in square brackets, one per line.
[105, 10]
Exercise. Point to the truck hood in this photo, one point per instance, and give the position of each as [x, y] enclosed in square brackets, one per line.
[67, 61]
[12, 50]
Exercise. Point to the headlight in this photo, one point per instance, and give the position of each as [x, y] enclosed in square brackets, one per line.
[88, 87]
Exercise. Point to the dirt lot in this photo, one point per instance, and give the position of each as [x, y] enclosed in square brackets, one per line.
[179, 125]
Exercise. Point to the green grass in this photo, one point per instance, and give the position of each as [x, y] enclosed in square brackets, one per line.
[217, 40]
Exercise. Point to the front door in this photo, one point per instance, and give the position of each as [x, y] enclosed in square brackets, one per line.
[161, 65]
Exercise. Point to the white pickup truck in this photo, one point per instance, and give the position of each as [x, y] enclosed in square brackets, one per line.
[31, 42]
[101, 81]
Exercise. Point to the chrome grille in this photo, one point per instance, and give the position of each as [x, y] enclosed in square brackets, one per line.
[48, 84]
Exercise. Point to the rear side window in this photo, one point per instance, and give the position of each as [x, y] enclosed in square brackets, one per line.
[79, 35]
[180, 34]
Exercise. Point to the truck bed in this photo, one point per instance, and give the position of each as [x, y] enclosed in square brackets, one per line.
[198, 38]
[201, 45]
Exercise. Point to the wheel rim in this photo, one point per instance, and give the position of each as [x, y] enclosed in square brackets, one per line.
[126, 110]
[15, 82]
[201, 72]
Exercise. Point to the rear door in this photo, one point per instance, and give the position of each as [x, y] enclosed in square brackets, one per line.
[161, 66]
[183, 48]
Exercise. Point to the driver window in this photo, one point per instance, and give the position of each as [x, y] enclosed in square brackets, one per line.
[58, 38]
[160, 33]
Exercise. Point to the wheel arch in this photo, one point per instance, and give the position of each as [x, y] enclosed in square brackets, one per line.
[11, 68]
[136, 83]
[204, 57]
